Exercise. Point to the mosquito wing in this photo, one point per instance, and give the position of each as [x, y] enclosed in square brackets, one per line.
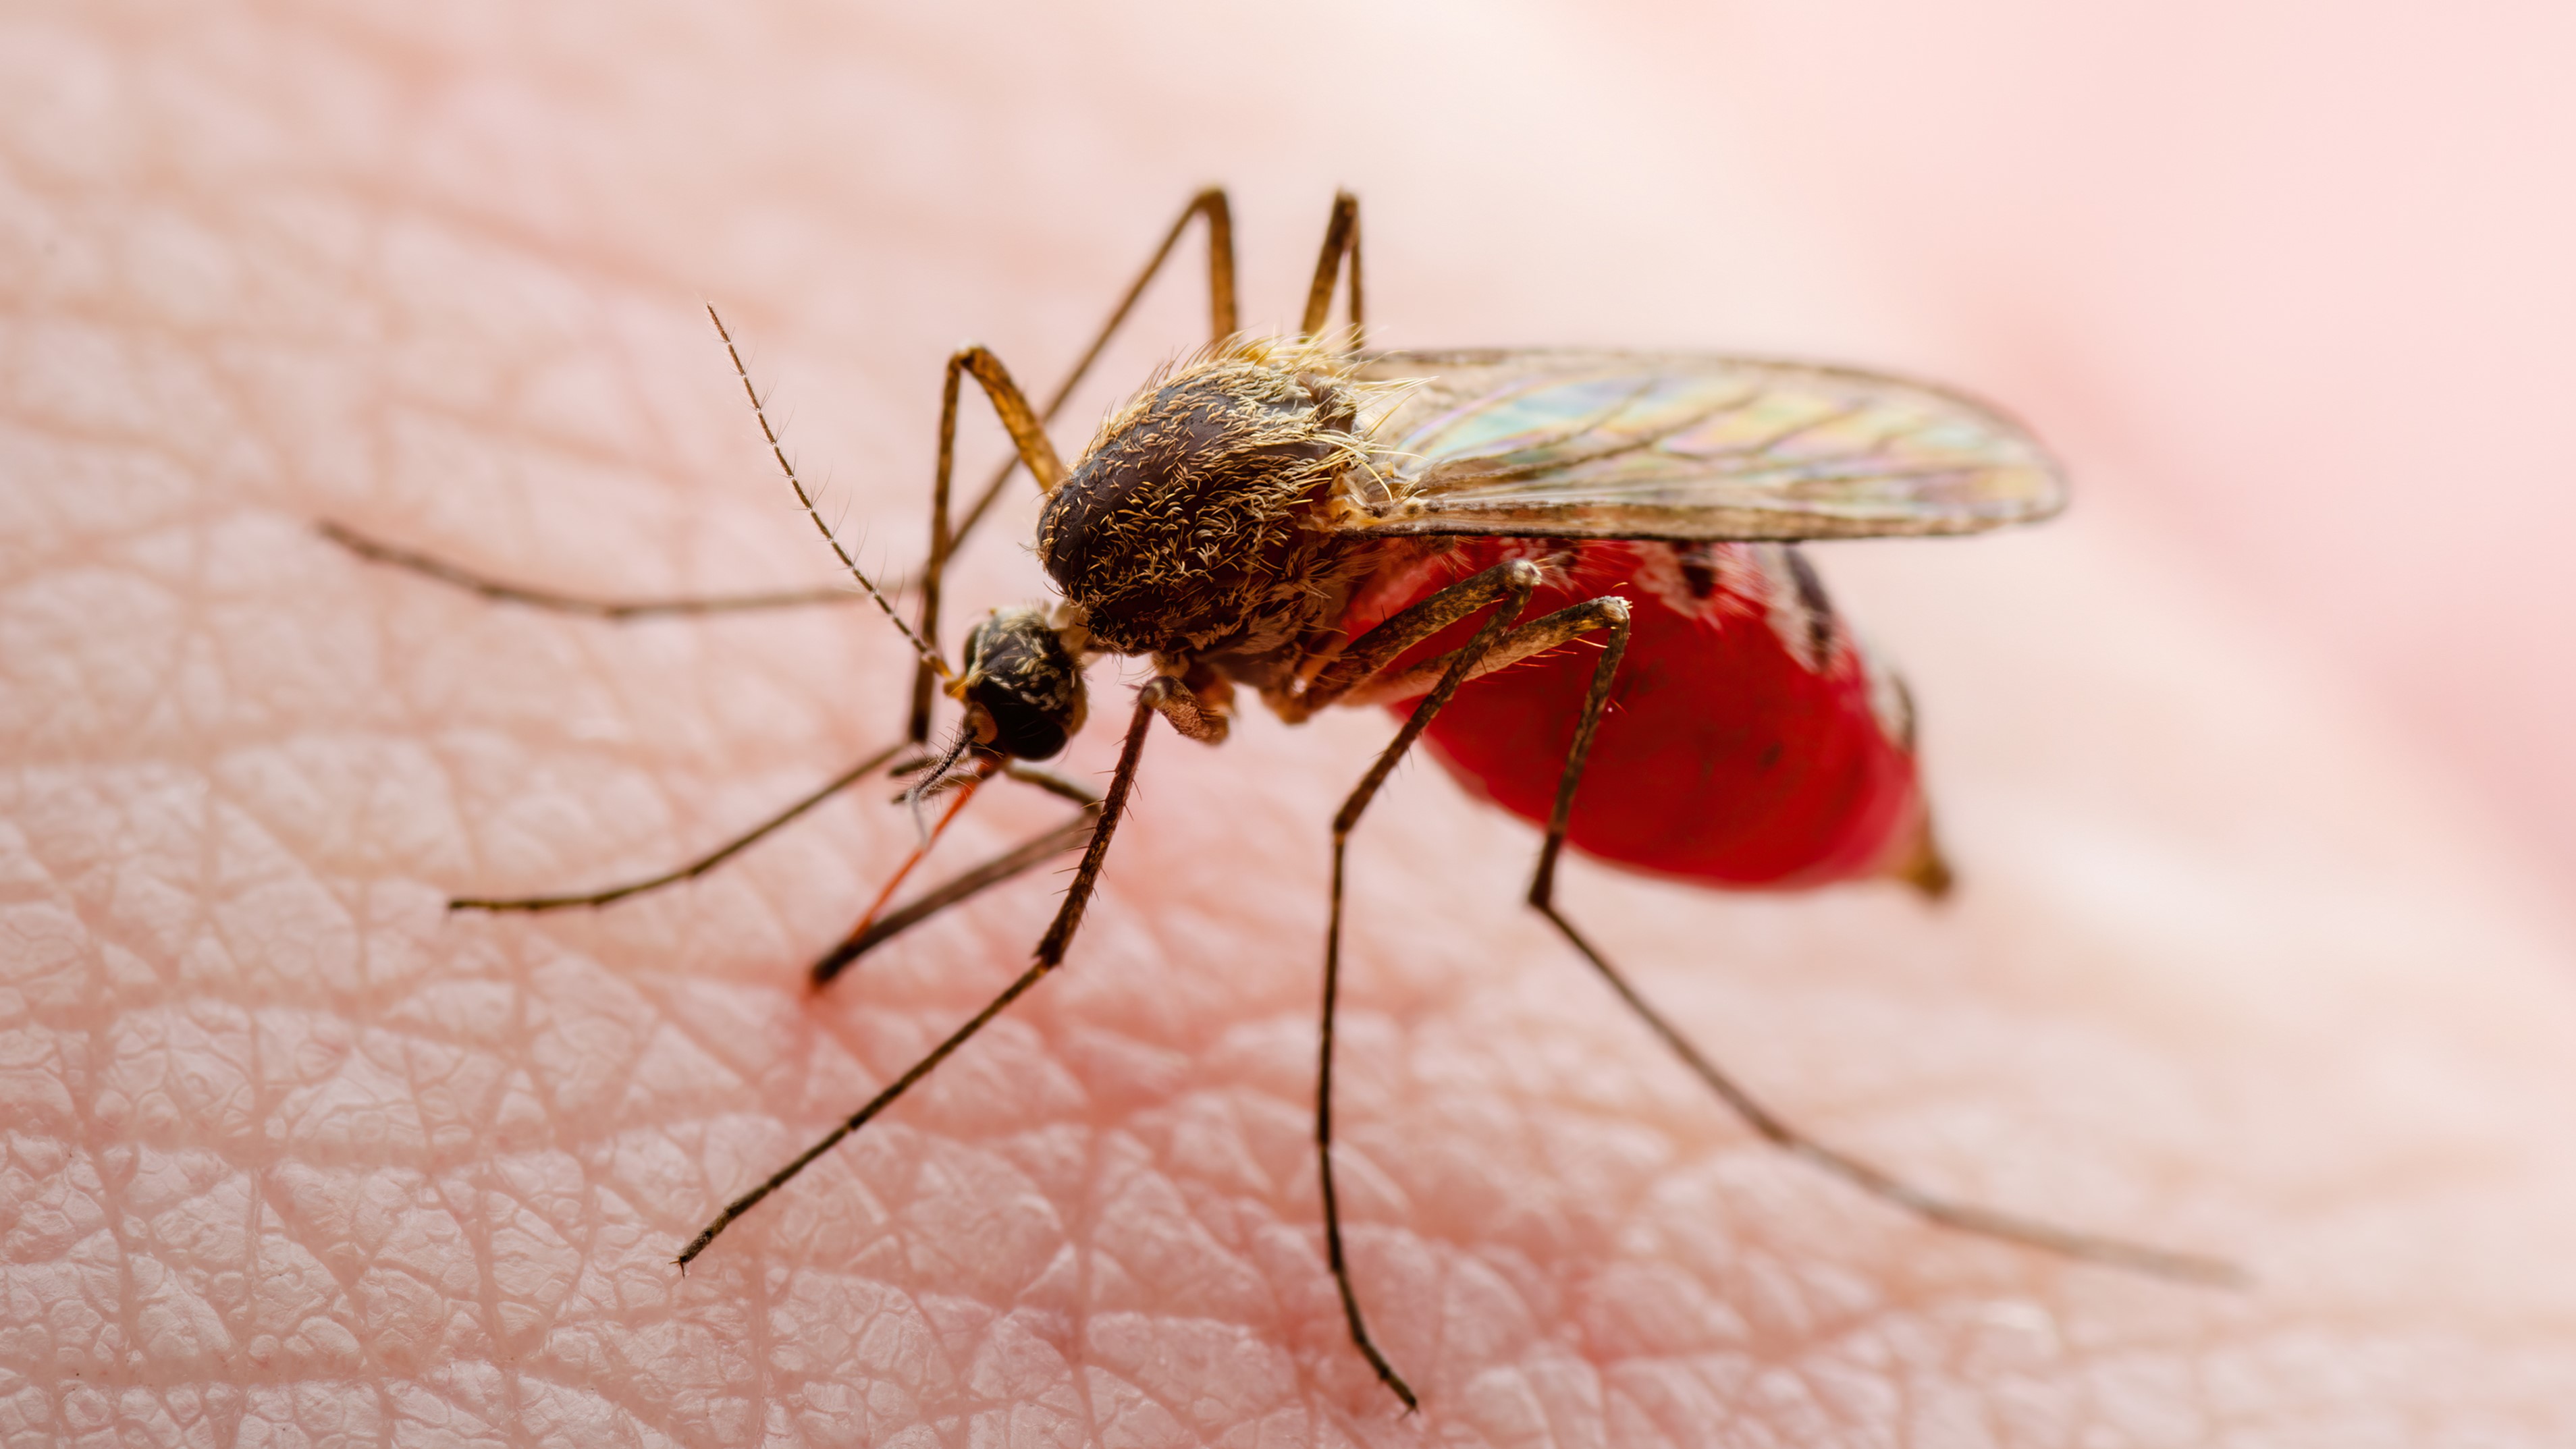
[1643, 445]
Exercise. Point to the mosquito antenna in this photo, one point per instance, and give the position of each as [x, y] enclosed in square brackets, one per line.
[928, 652]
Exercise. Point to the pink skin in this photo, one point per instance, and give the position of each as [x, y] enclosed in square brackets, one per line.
[294, 1156]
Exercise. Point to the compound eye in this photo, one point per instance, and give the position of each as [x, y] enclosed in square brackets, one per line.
[1019, 730]
[1023, 679]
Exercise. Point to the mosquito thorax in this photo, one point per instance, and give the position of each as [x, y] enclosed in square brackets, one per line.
[1022, 683]
[1193, 524]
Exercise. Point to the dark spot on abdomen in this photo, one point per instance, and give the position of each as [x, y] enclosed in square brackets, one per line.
[1699, 569]
[1820, 609]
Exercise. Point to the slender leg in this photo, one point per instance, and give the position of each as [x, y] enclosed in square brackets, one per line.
[1050, 954]
[1054, 782]
[1028, 436]
[1341, 239]
[1965, 1216]
[944, 540]
[1203, 716]
[1360, 675]
[877, 930]
[376, 550]
[1210, 204]
[1534, 638]
[694, 868]
[1519, 578]
[1077, 897]
[860, 1118]
[966, 884]
[1368, 656]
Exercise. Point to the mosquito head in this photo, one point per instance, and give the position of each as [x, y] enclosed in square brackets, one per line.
[1194, 522]
[1022, 686]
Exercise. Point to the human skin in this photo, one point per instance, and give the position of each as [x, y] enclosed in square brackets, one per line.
[295, 1155]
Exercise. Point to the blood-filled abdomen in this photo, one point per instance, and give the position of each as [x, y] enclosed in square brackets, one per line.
[1749, 741]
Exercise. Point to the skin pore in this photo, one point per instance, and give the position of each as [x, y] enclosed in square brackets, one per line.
[293, 1154]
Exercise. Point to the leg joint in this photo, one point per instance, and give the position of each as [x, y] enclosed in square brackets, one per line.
[1361, 663]
[1200, 709]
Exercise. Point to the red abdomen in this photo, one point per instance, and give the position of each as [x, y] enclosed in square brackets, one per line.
[1749, 741]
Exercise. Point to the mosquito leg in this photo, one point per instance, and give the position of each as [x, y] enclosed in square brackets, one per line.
[1077, 897]
[1204, 713]
[965, 885]
[878, 929]
[860, 1118]
[1029, 440]
[1210, 204]
[1054, 782]
[694, 868]
[1341, 239]
[1359, 676]
[1517, 579]
[376, 550]
[1050, 954]
[1965, 1216]
[944, 540]
[1534, 638]
[1362, 661]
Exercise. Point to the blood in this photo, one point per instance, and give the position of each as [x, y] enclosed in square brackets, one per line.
[1725, 757]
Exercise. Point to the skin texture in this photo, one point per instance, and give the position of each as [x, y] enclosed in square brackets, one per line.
[294, 1157]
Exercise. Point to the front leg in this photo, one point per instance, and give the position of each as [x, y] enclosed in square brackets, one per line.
[1199, 704]
[1050, 955]
[875, 930]
[1341, 249]
[1031, 449]
[690, 871]
[457, 576]
[1209, 205]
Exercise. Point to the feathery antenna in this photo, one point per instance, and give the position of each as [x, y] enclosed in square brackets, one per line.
[927, 651]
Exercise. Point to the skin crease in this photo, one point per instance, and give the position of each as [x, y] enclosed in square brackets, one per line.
[294, 1157]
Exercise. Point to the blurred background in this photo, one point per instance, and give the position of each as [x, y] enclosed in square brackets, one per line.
[2291, 280]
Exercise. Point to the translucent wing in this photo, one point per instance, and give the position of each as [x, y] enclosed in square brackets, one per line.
[1647, 445]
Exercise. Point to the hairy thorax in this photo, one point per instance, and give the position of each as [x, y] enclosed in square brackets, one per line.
[1197, 524]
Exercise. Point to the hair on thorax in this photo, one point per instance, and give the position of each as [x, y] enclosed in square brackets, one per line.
[1198, 518]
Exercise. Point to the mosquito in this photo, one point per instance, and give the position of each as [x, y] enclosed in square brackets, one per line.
[1432, 532]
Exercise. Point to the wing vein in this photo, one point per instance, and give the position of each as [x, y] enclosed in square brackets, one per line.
[1624, 445]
